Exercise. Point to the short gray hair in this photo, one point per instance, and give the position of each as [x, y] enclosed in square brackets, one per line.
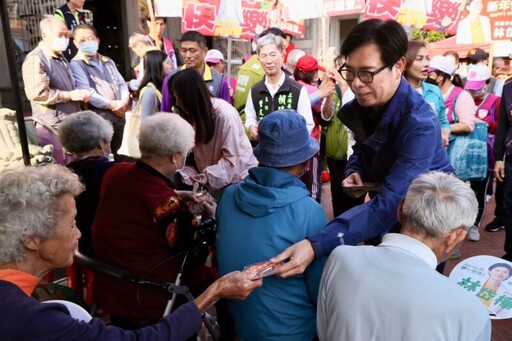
[29, 206]
[165, 134]
[269, 39]
[82, 132]
[138, 38]
[46, 24]
[438, 203]
[294, 56]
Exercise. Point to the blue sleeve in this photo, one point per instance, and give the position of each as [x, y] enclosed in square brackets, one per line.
[354, 164]
[166, 104]
[313, 273]
[121, 84]
[147, 102]
[82, 82]
[224, 91]
[378, 215]
[441, 115]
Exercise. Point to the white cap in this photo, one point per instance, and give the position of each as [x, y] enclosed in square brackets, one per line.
[443, 64]
[477, 77]
[214, 56]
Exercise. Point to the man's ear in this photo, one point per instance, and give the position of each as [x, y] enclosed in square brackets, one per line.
[32, 243]
[455, 237]
[400, 66]
[399, 212]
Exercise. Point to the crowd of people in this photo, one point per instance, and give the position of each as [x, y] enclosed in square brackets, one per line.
[249, 154]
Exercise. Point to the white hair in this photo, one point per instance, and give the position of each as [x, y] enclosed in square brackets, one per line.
[138, 38]
[29, 206]
[438, 203]
[47, 24]
[165, 134]
[83, 131]
[294, 56]
[269, 39]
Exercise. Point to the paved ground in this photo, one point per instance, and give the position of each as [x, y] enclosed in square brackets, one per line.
[491, 243]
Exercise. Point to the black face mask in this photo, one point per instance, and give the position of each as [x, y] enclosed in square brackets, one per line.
[430, 81]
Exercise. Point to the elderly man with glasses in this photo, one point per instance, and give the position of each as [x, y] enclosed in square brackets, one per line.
[275, 91]
[397, 139]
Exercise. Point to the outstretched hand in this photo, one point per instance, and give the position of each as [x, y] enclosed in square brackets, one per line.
[299, 256]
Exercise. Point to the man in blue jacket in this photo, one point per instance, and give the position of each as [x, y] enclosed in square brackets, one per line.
[397, 139]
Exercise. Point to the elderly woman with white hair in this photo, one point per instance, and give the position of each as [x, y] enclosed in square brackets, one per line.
[87, 135]
[37, 235]
[143, 225]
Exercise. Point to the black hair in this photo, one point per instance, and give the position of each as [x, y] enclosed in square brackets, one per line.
[306, 77]
[195, 37]
[85, 27]
[501, 265]
[388, 35]
[413, 46]
[153, 69]
[162, 18]
[275, 31]
[194, 104]
[455, 79]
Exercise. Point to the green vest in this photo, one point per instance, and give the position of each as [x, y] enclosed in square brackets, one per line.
[249, 74]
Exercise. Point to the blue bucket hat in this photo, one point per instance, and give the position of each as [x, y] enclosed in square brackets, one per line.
[284, 140]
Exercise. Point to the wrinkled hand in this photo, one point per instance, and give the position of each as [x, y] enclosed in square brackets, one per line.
[327, 87]
[253, 133]
[210, 207]
[499, 170]
[299, 256]
[354, 179]
[200, 178]
[237, 285]
[334, 74]
[80, 95]
[118, 107]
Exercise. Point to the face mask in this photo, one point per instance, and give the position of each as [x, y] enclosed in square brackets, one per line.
[430, 81]
[60, 44]
[478, 93]
[89, 48]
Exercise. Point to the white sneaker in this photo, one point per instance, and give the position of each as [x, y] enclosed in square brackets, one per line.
[473, 234]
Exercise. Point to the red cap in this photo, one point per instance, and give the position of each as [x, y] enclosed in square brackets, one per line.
[307, 64]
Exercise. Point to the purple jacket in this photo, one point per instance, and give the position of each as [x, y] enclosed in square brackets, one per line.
[25, 318]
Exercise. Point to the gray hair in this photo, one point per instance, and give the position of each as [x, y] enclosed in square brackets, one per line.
[138, 38]
[82, 132]
[438, 203]
[165, 134]
[294, 56]
[268, 40]
[29, 206]
[46, 24]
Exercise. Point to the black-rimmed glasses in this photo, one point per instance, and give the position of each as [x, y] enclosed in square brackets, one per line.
[363, 75]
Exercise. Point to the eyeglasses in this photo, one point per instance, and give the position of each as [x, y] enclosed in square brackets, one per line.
[363, 75]
[272, 57]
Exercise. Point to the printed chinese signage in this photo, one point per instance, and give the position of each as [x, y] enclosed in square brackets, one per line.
[473, 21]
[489, 279]
[439, 15]
[237, 18]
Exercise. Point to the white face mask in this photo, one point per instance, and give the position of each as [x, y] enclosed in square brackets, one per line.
[60, 44]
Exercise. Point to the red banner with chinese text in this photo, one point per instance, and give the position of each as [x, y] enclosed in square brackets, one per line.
[481, 22]
[236, 18]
